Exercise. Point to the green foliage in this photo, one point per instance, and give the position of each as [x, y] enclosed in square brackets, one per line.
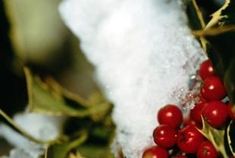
[61, 150]
[50, 98]
[91, 151]
[88, 120]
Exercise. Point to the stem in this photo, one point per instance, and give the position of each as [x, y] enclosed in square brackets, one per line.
[199, 14]
[202, 22]
[83, 137]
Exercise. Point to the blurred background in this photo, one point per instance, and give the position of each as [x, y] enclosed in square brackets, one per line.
[33, 34]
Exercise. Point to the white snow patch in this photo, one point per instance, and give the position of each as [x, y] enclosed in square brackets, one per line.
[39, 126]
[143, 52]
[42, 127]
[19, 153]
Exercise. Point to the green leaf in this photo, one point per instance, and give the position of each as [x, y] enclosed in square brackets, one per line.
[91, 151]
[220, 14]
[215, 136]
[231, 137]
[62, 150]
[50, 98]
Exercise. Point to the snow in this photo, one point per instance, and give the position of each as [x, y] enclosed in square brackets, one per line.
[19, 153]
[42, 127]
[144, 54]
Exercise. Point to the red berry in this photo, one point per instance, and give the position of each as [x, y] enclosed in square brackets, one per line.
[189, 121]
[216, 113]
[213, 89]
[196, 112]
[155, 152]
[206, 69]
[189, 139]
[165, 136]
[231, 111]
[207, 150]
[170, 115]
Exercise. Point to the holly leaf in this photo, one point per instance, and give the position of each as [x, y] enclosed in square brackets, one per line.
[61, 150]
[215, 136]
[95, 151]
[231, 137]
[50, 98]
[219, 16]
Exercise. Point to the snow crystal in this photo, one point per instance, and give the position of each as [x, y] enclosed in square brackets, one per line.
[143, 52]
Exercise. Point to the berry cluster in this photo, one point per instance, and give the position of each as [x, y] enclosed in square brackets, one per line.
[179, 137]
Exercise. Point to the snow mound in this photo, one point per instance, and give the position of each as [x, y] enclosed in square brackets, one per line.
[143, 52]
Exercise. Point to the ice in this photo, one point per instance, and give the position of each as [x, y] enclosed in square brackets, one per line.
[143, 53]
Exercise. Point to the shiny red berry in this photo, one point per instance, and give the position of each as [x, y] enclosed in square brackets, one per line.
[196, 112]
[206, 69]
[216, 114]
[189, 121]
[189, 139]
[155, 152]
[165, 136]
[170, 115]
[207, 150]
[213, 89]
